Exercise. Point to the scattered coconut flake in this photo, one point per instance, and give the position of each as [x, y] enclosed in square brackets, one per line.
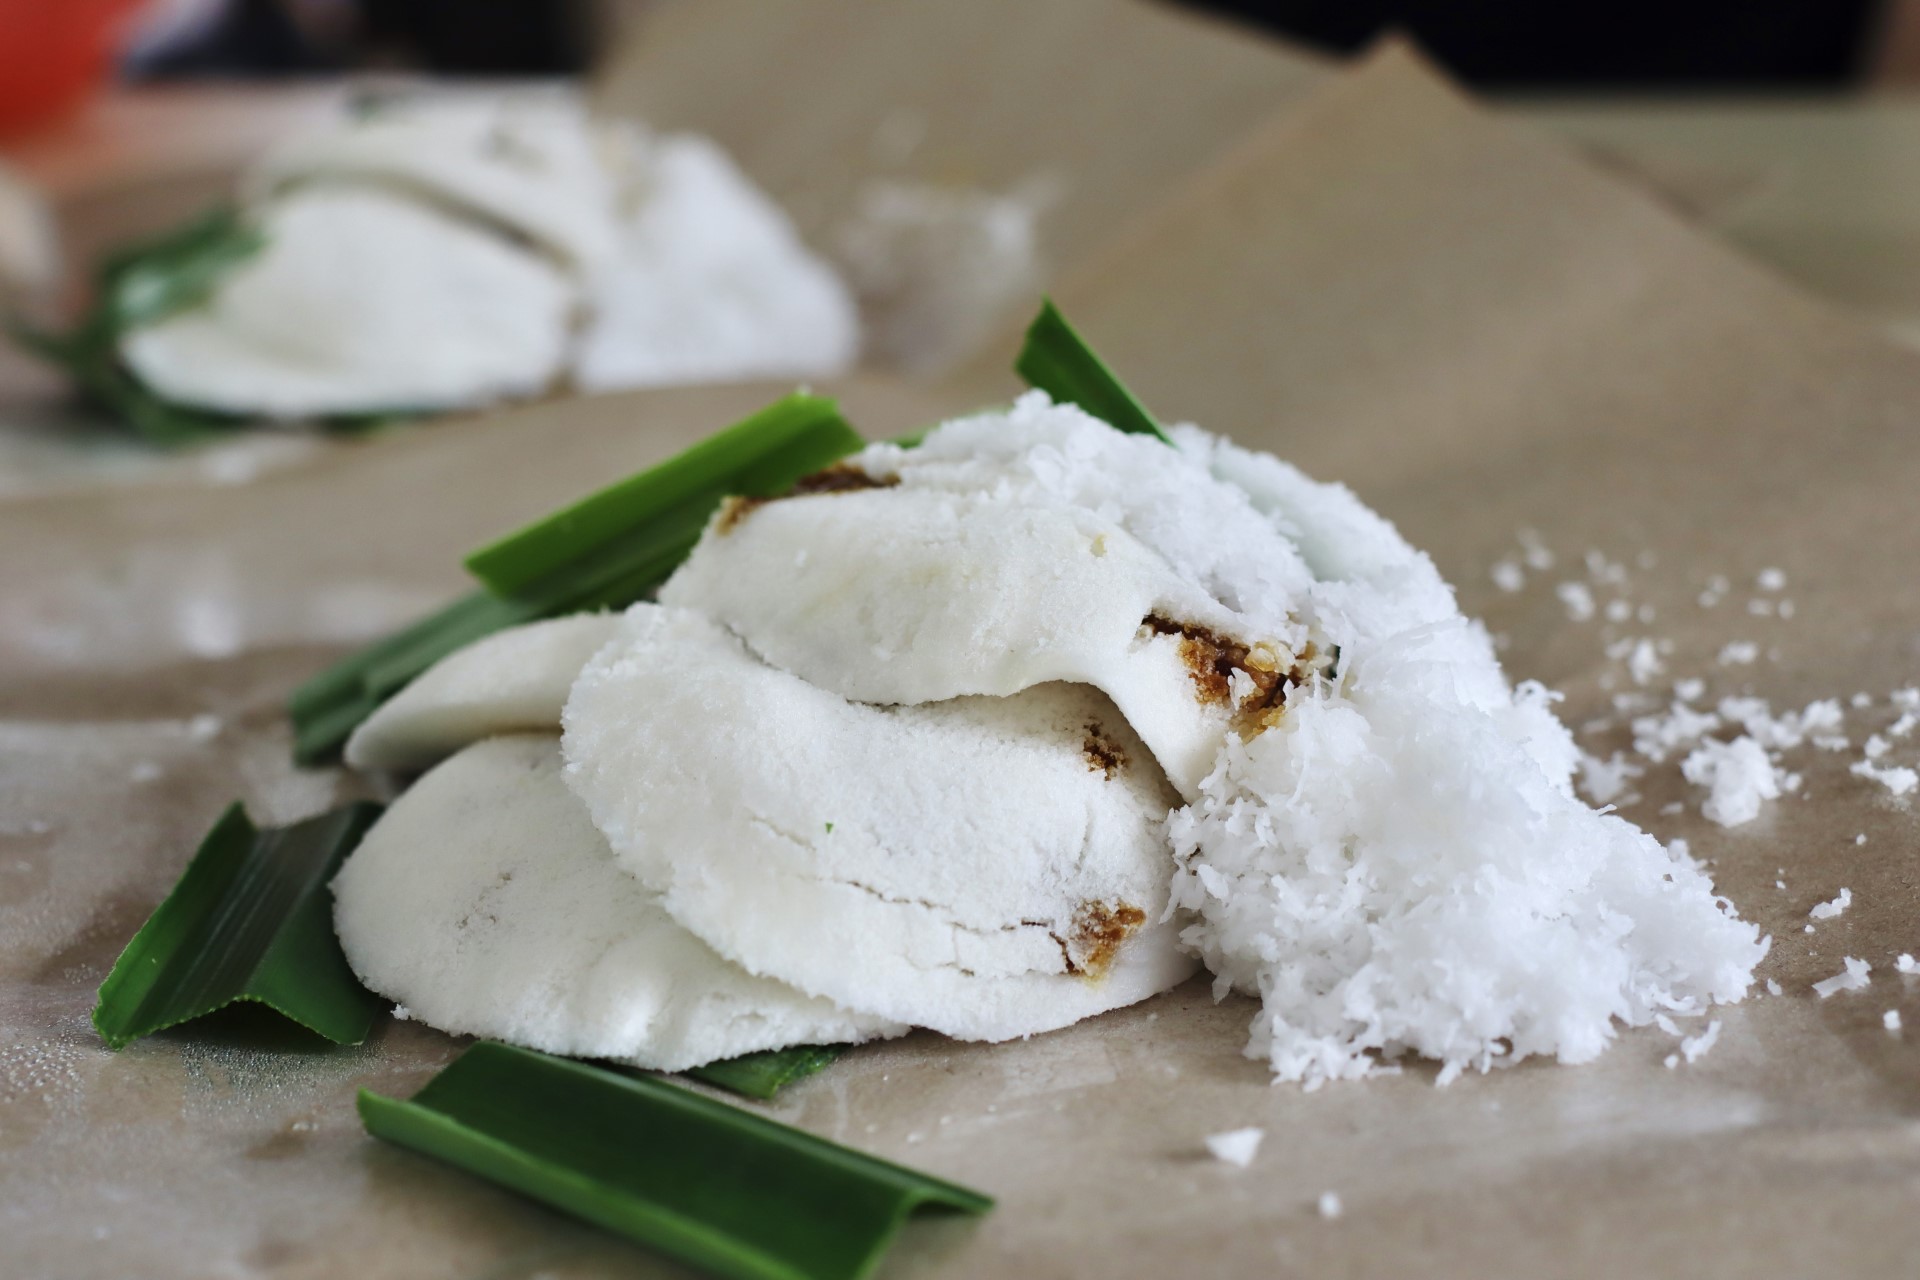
[1905, 699]
[1605, 781]
[1643, 664]
[1330, 1206]
[1861, 838]
[1899, 780]
[1862, 700]
[1760, 608]
[1738, 776]
[204, 728]
[1773, 988]
[1618, 611]
[1891, 1021]
[402, 1014]
[1656, 736]
[1601, 569]
[1671, 1061]
[1771, 580]
[1832, 910]
[1905, 725]
[1906, 964]
[1739, 653]
[1786, 608]
[1236, 1147]
[1578, 598]
[1694, 1048]
[1875, 746]
[145, 771]
[1509, 576]
[1535, 551]
[1689, 689]
[1851, 978]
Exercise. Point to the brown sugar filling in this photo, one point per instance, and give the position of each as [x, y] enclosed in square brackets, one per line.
[1103, 753]
[841, 477]
[1098, 931]
[1211, 659]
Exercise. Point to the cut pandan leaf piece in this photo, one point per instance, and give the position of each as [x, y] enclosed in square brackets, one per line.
[249, 920]
[329, 707]
[758, 457]
[1059, 362]
[147, 282]
[138, 286]
[762, 1075]
[603, 552]
[715, 1186]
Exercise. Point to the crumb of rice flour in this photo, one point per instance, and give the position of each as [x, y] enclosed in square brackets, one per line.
[1236, 1147]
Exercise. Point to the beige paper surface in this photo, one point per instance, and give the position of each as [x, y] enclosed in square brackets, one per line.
[1389, 287]
[1110, 101]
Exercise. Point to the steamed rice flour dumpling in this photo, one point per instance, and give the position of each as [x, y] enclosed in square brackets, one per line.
[1017, 724]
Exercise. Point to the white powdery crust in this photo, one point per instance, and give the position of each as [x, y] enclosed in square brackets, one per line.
[511, 681]
[485, 902]
[985, 867]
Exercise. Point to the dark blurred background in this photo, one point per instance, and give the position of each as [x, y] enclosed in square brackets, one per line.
[1519, 44]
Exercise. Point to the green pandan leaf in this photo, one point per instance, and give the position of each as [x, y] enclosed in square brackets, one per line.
[603, 552]
[762, 1075]
[730, 1192]
[757, 457]
[140, 285]
[249, 920]
[1058, 361]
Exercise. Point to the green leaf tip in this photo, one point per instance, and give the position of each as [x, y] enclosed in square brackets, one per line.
[732, 1193]
[1058, 361]
[762, 1075]
[757, 457]
[603, 552]
[249, 920]
[140, 285]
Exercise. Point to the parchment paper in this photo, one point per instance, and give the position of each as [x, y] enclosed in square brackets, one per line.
[1455, 316]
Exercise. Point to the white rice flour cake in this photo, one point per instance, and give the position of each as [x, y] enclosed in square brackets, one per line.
[1389, 852]
[486, 903]
[363, 299]
[449, 250]
[985, 867]
[511, 681]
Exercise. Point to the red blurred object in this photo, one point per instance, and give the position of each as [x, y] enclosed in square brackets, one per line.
[53, 54]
